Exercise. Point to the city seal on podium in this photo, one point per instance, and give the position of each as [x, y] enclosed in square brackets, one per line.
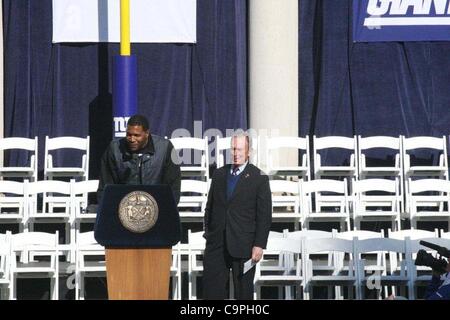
[138, 211]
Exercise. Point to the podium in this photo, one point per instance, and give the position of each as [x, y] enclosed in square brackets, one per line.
[138, 225]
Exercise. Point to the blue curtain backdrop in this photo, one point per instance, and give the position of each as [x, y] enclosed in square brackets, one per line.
[65, 89]
[348, 88]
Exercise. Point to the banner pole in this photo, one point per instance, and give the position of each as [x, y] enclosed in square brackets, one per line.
[125, 48]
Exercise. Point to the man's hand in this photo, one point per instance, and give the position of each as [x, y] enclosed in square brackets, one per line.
[257, 253]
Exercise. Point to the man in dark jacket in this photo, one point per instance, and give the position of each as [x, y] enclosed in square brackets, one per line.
[238, 216]
[140, 158]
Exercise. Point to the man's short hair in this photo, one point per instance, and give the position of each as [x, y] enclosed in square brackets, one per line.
[138, 120]
[242, 135]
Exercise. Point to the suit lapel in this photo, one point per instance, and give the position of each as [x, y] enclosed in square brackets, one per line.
[243, 178]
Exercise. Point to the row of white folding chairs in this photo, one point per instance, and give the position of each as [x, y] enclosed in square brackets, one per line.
[303, 202]
[38, 244]
[30, 171]
[366, 261]
[62, 202]
[284, 270]
[266, 152]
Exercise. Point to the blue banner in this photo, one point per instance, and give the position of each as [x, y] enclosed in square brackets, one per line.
[124, 92]
[401, 20]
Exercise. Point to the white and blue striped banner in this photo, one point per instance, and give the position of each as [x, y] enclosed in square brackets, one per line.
[401, 20]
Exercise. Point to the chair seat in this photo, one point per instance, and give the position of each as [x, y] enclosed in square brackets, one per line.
[17, 169]
[413, 169]
[51, 216]
[327, 169]
[279, 279]
[431, 214]
[376, 214]
[288, 170]
[332, 279]
[65, 171]
[326, 215]
[381, 170]
[87, 216]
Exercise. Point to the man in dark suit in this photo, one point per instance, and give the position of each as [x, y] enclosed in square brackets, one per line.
[237, 222]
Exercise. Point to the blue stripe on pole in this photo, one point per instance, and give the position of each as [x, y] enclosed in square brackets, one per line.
[124, 92]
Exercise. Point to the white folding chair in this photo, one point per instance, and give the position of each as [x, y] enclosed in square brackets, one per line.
[285, 275]
[374, 274]
[197, 166]
[60, 199]
[223, 151]
[343, 272]
[417, 168]
[90, 261]
[28, 171]
[80, 192]
[13, 203]
[375, 143]
[5, 265]
[330, 199]
[175, 272]
[43, 261]
[52, 144]
[429, 200]
[380, 156]
[376, 200]
[196, 248]
[286, 201]
[194, 195]
[274, 148]
[414, 236]
[324, 168]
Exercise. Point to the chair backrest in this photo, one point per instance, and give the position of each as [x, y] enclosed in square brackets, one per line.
[276, 143]
[66, 142]
[196, 240]
[313, 246]
[86, 238]
[334, 142]
[333, 192]
[223, 151]
[413, 234]
[23, 144]
[360, 234]
[49, 186]
[82, 187]
[324, 185]
[12, 187]
[309, 234]
[34, 240]
[425, 185]
[276, 234]
[192, 143]
[283, 190]
[425, 142]
[376, 193]
[379, 142]
[60, 193]
[194, 186]
[283, 245]
[385, 185]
